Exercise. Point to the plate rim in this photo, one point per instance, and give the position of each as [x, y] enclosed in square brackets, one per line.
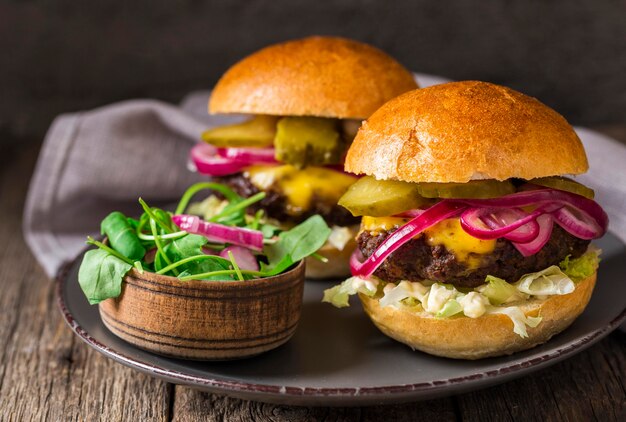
[307, 396]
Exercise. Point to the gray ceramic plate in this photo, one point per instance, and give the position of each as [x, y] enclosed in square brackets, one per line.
[337, 357]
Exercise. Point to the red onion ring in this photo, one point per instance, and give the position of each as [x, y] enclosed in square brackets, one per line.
[249, 155]
[243, 257]
[545, 222]
[577, 223]
[545, 196]
[205, 159]
[493, 223]
[215, 232]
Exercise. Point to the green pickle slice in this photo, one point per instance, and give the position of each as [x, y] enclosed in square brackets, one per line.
[257, 132]
[475, 189]
[302, 141]
[563, 183]
[380, 198]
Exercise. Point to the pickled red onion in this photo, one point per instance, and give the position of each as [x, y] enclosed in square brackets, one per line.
[493, 223]
[249, 155]
[243, 257]
[545, 222]
[542, 197]
[577, 222]
[215, 232]
[438, 212]
[206, 161]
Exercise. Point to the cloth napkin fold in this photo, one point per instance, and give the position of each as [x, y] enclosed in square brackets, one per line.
[94, 162]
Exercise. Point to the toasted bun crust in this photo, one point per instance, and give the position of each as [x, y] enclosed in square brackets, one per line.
[338, 265]
[486, 336]
[462, 131]
[315, 76]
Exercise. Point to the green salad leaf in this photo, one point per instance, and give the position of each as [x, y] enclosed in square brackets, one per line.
[295, 244]
[100, 275]
[122, 236]
[191, 246]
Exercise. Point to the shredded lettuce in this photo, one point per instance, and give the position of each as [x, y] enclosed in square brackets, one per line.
[393, 297]
[340, 236]
[451, 307]
[520, 320]
[397, 295]
[339, 295]
[445, 301]
[551, 281]
[497, 290]
[437, 297]
[582, 267]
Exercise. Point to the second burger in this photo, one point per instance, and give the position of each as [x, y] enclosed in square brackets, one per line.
[306, 99]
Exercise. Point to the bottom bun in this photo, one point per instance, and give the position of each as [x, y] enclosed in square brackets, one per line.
[338, 265]
[475, 338]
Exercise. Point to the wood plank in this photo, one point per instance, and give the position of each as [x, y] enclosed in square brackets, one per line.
[193, 405]
[46, 373]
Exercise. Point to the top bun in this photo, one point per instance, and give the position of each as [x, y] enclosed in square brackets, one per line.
[316, 76]
[463, 131]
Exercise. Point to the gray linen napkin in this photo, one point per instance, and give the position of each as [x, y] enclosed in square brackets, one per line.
[95, 162]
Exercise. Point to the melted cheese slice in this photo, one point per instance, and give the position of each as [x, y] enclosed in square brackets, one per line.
[447, 233]
[375, 224]
[301, 187]
[465, 247]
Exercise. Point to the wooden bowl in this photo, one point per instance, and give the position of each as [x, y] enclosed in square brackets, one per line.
[206, 320]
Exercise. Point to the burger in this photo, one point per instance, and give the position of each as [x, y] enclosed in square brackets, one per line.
[474, 239]
[303, 101]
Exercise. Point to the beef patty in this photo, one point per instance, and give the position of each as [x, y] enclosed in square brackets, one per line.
[416, 260]
[275, 203]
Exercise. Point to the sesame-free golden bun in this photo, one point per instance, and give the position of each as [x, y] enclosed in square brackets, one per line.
[315, 76]
[462, 131]
[490, 335]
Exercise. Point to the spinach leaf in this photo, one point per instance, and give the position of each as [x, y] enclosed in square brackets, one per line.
[189, 246]
[184, 247]
[295, 244]
[122, 236]
[100, 275]
[269, 230]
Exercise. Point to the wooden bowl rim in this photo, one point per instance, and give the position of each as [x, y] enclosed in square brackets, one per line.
[297, 272]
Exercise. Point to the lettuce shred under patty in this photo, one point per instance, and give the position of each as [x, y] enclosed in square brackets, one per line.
[445, 301]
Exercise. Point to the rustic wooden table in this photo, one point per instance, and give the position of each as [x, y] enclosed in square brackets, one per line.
[46, 373]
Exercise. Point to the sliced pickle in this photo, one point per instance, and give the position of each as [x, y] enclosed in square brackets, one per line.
[477, 189]
[257, 132]
[380, 198]
[563, 183]
[302, 141]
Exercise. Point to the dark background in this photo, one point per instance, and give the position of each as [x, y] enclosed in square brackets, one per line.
[59, 56]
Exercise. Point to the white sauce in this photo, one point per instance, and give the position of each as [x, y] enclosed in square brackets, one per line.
[473, 304]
